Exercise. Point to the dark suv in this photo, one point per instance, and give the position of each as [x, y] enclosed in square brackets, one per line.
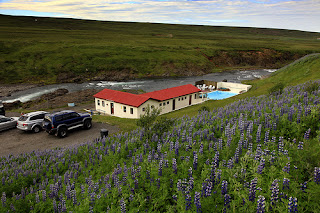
[59, 123]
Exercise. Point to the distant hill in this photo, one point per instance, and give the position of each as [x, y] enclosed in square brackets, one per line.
[50, 50]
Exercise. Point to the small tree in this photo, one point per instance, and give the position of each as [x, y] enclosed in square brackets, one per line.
[146, 120]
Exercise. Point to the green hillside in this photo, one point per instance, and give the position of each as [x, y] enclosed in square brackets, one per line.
[49, 50]
[302, 71]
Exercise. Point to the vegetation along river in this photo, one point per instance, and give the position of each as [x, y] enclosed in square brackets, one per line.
[147, 85]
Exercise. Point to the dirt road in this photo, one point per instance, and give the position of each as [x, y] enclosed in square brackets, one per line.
[15, 141]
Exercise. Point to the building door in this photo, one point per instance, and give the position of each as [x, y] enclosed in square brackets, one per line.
[190, 98]
[112, 108]
[173, 104]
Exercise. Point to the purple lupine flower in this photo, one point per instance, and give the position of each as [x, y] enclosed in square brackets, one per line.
[3, 199]
[286, 184]
[54, 203]
[188, 201]
[197, 201]
[195, 161]
[274, 192]
[208, 189]
[253, 189]
[224, 187]
[307, 134]
[63, 205]
[122, 206]
[230, 163]
[12, 207]
[261, 205]
[44, 195]
[160, 167]
[304, 186]
[37, 198]
[287, 168]
[136, 184]
[191, 183]
[175, 197]
[190, 172]
[261, 166]
[74, 197]
[201, 149]
[131, 197]
[317, 175]
[300, 146]
[227, 200]
[293, 204]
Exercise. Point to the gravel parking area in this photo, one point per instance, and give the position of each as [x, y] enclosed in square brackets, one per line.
[15, 141]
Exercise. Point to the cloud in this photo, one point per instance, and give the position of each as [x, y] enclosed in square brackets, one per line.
[286, 14]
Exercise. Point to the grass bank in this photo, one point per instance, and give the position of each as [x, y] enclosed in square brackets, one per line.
[49, 50]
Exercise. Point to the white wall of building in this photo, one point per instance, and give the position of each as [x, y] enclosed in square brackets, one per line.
[234, 87]
[119, 110]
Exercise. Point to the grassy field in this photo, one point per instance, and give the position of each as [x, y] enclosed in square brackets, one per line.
[49, 50]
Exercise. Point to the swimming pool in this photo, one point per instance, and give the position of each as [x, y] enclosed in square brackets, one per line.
[219, 95]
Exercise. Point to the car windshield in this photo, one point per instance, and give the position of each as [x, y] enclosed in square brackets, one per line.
[23, 118]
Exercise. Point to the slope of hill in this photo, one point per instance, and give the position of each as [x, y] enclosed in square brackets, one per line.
[260, 154]
[301, 71]
[49, 50]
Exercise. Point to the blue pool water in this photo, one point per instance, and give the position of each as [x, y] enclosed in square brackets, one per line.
[218, 95]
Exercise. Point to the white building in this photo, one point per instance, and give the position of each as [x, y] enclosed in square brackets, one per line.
[127, 105]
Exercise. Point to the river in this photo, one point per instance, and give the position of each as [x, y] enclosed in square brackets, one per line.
[147, 85]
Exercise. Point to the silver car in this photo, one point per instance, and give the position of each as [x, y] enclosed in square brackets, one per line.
[7, 123]
[31, 121]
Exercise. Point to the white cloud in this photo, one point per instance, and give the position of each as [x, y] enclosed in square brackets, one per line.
[286, 14]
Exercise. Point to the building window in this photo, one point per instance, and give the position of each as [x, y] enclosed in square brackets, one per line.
[195, 96]
[185, 97]
[103, 103]
[167, 102]
[164, 103]
[124, 109]
[143, 109]
[179, 99]
[160, 104]
[98, 102]
[131, 110]
[152, 106]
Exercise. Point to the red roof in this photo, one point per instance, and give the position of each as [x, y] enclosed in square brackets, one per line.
[137, 100]
[172, 92]
[121, 97]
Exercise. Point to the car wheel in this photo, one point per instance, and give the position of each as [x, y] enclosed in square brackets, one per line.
[62, 132]
[36, 129]
[87, 124]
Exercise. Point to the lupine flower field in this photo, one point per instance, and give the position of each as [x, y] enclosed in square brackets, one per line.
[259, 154]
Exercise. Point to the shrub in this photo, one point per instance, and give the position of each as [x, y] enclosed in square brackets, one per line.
[276, 88]
[314, 86]
[204, 108]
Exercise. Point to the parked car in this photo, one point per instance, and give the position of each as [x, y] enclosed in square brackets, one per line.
[59, 123]
[31, 121]
[2, 111]
[7, 123]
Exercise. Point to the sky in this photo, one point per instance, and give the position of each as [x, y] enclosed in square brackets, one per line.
[282, 14]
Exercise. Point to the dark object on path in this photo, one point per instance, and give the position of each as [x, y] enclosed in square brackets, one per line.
[104, 133]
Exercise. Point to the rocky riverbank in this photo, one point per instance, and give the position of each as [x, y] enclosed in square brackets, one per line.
[7, 89]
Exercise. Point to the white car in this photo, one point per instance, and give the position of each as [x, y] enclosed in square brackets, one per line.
[31, 121]
[7, 123]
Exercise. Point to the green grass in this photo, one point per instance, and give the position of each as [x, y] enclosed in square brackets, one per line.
[40, 51]
[125, 125]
